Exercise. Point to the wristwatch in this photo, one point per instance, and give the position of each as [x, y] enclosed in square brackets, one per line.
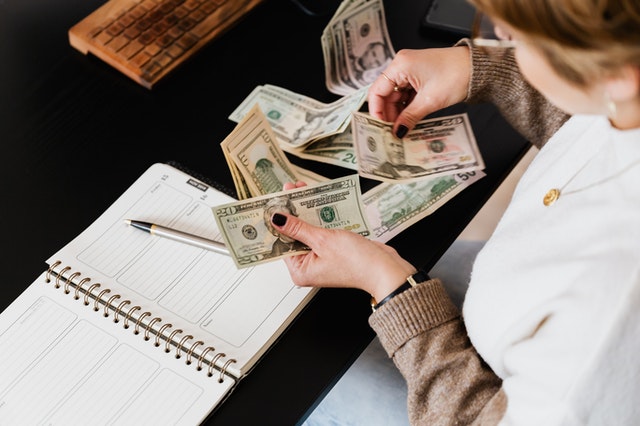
[412, 281]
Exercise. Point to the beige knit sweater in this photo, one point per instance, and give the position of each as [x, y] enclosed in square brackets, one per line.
[421, 329]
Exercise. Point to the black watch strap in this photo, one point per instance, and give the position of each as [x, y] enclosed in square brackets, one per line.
[412, 281]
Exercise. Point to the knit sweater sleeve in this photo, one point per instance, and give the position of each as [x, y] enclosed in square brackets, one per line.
[421, 330]
[448, 382]
[495, 78]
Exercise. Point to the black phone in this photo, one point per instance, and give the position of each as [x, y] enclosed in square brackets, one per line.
[453, 16]
[315, 7]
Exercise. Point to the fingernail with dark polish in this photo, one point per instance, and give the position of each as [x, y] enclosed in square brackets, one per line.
[402, 130]
[279, 219]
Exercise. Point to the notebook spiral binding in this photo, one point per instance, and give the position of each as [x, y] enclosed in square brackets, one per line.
[91, 293]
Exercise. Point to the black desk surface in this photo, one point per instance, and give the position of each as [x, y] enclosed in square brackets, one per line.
[75, 134]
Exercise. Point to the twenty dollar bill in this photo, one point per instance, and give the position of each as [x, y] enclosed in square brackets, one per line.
[297, 119]
[250, 237]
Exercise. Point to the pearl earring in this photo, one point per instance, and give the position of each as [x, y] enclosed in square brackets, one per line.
[612, 108]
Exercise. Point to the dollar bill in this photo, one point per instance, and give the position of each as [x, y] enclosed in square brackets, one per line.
[435, 147]
[338, 157]
[342, 140]
[297, 119]
[257, 163]
[356, 45]
[309, 177]
[392, 208]
[250, 237]
[336, 149]
[242, 190]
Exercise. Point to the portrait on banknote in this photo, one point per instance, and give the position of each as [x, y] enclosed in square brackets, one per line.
[434, 147]
[371, 62]
[367, 44]
[391, 151]
[282, 244]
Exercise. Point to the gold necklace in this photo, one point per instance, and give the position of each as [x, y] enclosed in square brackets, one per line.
[553, 194]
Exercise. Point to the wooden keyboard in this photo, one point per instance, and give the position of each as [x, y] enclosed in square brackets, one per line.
[147, 39]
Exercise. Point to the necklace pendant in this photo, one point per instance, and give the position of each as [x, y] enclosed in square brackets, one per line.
[551, 196]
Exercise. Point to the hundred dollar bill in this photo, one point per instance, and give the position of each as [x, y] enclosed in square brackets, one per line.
[250, 237]
[256, 161]
[392, 208]
[297, 119]
[435, 147]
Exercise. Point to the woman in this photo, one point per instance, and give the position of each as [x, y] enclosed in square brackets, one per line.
[551, 327]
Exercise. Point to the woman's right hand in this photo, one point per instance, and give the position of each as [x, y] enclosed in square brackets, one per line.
[427, 80]
[340, 258]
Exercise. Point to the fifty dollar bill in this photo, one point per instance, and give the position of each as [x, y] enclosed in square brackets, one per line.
[392, 208]
[435, 147]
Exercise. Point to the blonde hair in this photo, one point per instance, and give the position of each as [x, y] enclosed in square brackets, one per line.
[583, 40]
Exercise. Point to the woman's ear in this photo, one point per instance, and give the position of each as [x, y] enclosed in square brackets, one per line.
[624, 86]
[622, 97]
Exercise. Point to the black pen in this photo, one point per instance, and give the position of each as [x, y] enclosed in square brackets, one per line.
[180, 236]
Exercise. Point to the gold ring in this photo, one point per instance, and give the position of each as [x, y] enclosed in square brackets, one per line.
[395, 86]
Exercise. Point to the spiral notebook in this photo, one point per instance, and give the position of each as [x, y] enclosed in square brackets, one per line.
[127, 328]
